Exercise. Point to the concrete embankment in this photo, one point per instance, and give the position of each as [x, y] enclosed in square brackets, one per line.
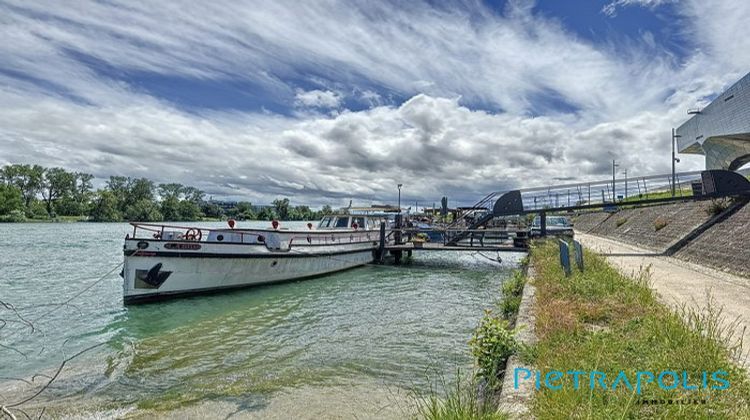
[689, 231]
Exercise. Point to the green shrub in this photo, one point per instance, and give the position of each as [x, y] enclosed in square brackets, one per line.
[491, 345]
[716, 207]
[660, 223]
[512, 291]
[14, 216]
[621, 221]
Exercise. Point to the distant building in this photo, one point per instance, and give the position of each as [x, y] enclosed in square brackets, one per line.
[721, 130]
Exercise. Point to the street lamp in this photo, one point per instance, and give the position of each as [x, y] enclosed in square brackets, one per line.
[626, 183]
[675, 159]
[399, 197]
[614, 194]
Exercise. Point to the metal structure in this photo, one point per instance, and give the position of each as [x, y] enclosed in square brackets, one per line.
[698, 185]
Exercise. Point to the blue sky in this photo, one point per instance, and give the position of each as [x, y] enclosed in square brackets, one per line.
[326, 101]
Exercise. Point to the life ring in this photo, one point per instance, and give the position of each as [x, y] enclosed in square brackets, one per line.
[193, 234]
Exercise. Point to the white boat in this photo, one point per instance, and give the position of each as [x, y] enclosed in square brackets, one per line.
[163, 261]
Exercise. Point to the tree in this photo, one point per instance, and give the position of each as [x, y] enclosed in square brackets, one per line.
[118, 185]
[57, 182]
[193, 194]
[266, 213]
[211, 210]
[26, 178]
[143, 211]
[326, 210]
[170, 208]
[105, 207]
[141, 189]
[189, 211]
[282, 208]
[82, 191]
[173, 190]
[11, 199]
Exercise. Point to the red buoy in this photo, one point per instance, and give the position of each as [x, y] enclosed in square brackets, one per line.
[275, 224]
[231, 223]
[309, 226]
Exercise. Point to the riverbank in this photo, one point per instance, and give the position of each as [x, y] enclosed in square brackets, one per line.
[610, 327]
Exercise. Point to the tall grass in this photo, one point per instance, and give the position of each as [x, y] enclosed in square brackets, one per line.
[601, 320]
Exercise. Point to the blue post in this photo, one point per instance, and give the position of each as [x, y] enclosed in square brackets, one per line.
[579, 254]
[565, 256]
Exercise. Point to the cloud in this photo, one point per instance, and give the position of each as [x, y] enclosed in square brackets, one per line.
[318, 99]
[610, 9]
[459, 100]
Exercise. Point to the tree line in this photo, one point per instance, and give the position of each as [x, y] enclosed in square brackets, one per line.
[33, 192]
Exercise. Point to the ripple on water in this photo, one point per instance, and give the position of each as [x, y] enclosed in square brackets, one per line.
[370, 328]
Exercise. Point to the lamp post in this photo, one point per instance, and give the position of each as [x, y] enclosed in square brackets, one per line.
[626, 183]
[399, 197]
[675, 159]
[614, 194]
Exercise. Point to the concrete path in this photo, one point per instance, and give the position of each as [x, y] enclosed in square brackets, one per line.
[678, 282]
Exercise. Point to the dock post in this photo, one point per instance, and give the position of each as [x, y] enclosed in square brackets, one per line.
[543, 223]
[381, 247]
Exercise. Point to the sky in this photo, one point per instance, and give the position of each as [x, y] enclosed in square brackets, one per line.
[329, 101]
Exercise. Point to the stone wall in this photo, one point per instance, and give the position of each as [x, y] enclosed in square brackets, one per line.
[639, 226]
[724, 246]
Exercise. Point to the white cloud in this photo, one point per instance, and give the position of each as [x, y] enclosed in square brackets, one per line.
[446, 62]
[318, 99]
[610, 9]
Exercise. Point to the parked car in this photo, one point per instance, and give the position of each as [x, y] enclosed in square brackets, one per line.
[556, 226]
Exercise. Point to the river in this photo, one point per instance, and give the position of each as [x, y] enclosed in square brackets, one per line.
[360, 343]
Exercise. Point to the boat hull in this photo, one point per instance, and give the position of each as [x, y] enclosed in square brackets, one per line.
[152, 271]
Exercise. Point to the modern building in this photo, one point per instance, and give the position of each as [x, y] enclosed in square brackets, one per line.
[721, 130]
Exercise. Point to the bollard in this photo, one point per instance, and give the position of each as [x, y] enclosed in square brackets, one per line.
[578, 249]
[564, 256]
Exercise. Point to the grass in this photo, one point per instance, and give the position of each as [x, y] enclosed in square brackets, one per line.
[604, 321]
[465, 399]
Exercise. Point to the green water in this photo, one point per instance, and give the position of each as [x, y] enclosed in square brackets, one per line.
[373, 328]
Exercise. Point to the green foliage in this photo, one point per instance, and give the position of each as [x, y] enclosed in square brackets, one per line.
[57, 183]
[281, 207]
[65, 193]
[104, 207]
[14, 216]
[465, 399]
[11, 199]
[143, 210]
[491, 344]
[188, 210]
[621, 221]
[27, 178]
[511, 296]
[602, 320]
[36, 210]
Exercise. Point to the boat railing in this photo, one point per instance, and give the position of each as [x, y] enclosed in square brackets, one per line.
[194, 233]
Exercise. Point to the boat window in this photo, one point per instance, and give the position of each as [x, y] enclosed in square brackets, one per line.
[326, 222]
[342, 222]
[360, 221]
